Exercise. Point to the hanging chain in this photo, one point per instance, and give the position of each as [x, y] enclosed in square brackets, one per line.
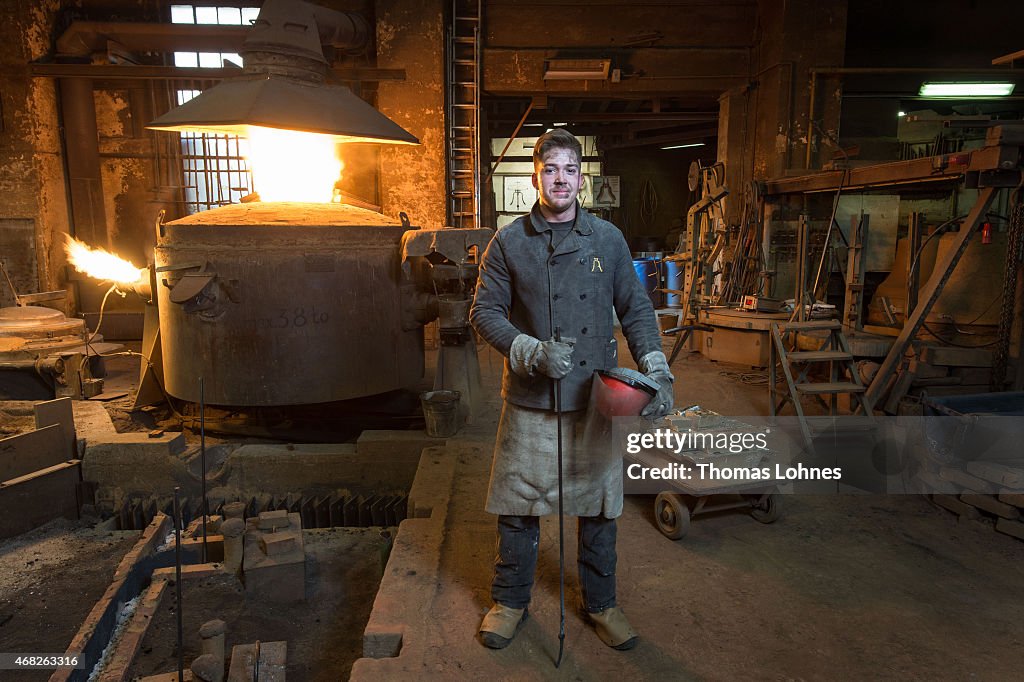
[1014, 243]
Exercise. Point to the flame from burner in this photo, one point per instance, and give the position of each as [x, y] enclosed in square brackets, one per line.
[101, 264]
[291, 165]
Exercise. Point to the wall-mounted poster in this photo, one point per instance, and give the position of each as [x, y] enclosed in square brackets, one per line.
[519, 194]
[606, 191]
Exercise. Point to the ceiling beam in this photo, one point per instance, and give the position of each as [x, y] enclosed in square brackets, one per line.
[614, 117]
[697, 135]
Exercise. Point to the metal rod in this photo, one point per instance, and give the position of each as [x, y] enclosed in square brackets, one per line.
[510, 141]
[914, 233]
[910, 70]
[561, 518]
[812, 92]
[828, 237]
[177, 582]
[202, 459]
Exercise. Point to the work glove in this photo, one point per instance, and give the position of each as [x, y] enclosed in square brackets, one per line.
[529, 357]
[654, 365]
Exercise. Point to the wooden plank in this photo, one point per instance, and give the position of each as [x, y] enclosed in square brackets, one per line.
[59, 412]
[28, 452]
[30, 501]
[979, 376]
[818, 355]
[886, 174]
[830, 387]
[1008, 58]
[949, 356]
[1005, 476]
[904, 380]
[990, 504]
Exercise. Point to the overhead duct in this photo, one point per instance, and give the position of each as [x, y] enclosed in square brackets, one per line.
[284, 86]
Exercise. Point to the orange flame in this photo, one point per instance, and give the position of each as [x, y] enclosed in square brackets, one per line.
[101, 264]
[290, 165]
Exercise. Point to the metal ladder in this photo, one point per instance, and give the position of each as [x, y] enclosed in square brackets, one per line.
[462, 104]
[796, 365]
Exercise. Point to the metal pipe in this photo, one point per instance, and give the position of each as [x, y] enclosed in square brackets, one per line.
[41, 366]
[202, 460]
[81, 146]
[82, 38]
[828, 239]
[510, 141]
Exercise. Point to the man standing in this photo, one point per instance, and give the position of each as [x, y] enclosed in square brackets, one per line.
[559, 268]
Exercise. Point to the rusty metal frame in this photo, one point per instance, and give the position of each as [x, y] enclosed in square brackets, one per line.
[930, 294]
[995, 166]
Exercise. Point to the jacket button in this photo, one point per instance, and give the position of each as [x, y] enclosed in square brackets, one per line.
[554, 262]
[583, 331]
[583, 261]
[555, 297]
[582, 296]
[583, 363]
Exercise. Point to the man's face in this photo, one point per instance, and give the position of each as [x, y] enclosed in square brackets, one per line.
[557, 178]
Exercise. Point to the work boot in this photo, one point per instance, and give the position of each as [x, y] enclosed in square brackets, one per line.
[613, 628]
[500, 626]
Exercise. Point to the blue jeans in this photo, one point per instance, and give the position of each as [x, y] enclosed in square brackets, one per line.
[518, 537]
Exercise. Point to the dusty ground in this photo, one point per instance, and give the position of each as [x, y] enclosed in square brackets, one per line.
[324, 634]
[841, 587]
[50, 578]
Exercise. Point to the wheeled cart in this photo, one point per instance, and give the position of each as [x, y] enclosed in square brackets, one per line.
[673, 510]
[685, 499]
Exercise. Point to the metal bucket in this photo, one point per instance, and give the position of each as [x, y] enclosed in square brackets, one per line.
[441, 412]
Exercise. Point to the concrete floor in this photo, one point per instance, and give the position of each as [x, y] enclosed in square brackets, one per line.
[846, 587]
[842, 587]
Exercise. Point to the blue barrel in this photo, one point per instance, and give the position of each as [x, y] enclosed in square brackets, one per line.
[647, 272]
[675, 277]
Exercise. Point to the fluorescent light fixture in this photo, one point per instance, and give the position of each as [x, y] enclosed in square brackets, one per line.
[577, 69]
[966, 89]
[684, 146]
[901, 114]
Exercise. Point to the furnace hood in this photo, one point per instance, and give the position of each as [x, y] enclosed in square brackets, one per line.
[279, 102]
[283, 83]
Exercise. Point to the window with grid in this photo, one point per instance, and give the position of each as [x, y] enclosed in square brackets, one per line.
[214, 166]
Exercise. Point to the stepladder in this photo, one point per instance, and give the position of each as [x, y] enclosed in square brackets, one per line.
[822, 374]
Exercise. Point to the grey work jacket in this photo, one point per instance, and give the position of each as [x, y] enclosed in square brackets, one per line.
[528, 286]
